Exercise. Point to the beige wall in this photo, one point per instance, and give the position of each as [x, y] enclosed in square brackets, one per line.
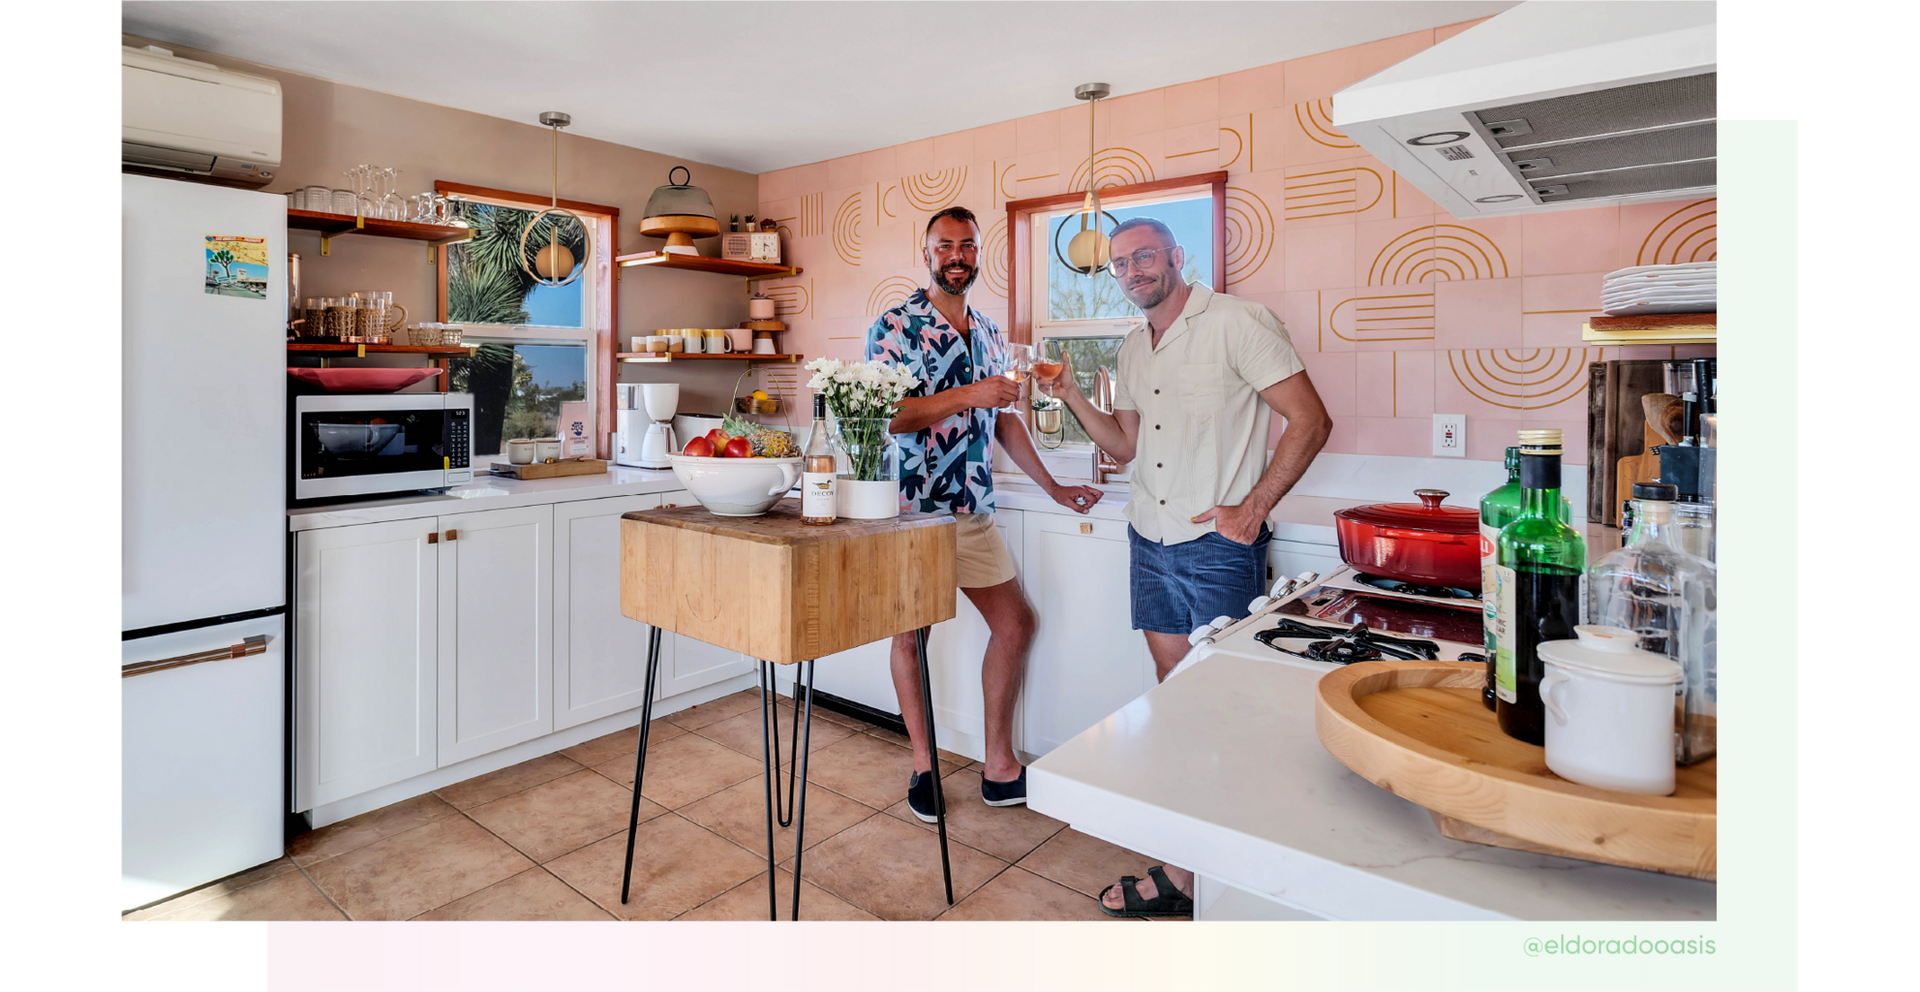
[329, 127]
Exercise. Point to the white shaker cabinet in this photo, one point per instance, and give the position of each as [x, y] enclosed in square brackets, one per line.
[1087, 659]
[496, 629]
[366, 602]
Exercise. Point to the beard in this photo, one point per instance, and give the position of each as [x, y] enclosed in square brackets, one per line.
[1150, 295]
[957, 287]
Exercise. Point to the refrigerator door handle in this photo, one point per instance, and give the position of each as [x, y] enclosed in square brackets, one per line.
[257, 644]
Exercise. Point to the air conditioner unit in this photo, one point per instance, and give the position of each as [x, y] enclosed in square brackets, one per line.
[1549, 106]
[189, 118]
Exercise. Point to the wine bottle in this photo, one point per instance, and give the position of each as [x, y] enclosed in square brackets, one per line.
[1497, 510]
[818, 489]
[1537, 586]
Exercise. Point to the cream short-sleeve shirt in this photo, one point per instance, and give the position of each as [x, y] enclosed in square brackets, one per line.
[1203, 425]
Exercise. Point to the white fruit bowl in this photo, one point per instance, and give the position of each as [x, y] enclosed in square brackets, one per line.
[736, 487]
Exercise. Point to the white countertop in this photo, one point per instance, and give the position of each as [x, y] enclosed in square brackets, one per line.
[1307, 519]
[1219, 770]
[488, 492]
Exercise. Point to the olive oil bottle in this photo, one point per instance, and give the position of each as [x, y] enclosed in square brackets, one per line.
[1538, 587]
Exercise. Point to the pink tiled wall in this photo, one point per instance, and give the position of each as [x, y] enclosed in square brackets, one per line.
[1399, 309]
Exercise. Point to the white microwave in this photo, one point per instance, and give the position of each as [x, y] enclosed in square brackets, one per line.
[363, 444]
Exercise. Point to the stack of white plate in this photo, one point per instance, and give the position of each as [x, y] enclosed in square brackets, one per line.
[1689, 287]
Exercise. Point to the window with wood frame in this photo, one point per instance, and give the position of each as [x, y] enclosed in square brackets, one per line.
[540, 346]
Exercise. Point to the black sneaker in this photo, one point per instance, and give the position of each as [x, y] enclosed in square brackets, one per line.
[920, 797]
[1012, 793]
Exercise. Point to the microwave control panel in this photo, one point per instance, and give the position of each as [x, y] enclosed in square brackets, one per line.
[459, 440]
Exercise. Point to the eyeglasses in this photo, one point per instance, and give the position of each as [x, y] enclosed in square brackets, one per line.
[1144, 259]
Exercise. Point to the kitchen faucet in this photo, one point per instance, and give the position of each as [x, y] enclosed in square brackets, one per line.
[1103, 463]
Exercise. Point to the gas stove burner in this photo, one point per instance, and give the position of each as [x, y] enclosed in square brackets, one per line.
[1413, 588]
[1344, 646]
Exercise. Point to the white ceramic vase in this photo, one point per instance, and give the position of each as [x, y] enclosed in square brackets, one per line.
[868, 500]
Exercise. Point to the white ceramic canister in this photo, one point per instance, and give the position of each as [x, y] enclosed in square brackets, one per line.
[1610, 711]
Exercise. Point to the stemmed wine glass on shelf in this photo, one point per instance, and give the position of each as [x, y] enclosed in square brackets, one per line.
[1019, 369]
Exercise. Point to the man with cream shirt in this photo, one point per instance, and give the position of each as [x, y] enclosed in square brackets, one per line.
[1197, 385]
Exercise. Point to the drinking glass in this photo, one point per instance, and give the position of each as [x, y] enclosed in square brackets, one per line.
[1046, 368]
[318, 199]
[345, 201]
[1019, 369]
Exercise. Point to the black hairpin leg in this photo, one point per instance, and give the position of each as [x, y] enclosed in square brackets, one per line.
[769, 733]
[640, 761]
[933, 746]
[784, 811]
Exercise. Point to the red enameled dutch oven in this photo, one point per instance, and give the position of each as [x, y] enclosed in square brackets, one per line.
[1420, 542]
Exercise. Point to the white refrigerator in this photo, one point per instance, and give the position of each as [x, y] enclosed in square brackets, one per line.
[203, 534]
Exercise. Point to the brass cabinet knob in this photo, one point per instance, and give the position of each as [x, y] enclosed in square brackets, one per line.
[1086, 528]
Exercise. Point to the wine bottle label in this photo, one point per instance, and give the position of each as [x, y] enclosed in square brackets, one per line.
[1489, 559]
[1582, 606]
[1505, 673]
[817, 494]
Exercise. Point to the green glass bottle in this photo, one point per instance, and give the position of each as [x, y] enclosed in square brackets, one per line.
[1497, 510]
[1537, 587]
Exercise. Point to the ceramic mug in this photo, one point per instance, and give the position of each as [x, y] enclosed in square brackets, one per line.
[546, 449]
[763, 346]
[718, 342]
[520, 451]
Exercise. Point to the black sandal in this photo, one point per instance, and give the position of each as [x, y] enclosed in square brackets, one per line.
[1168, 902]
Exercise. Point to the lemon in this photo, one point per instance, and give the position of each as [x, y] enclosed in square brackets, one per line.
[759, 394]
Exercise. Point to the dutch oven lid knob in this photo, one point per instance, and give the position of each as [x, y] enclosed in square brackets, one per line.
[1430, 498]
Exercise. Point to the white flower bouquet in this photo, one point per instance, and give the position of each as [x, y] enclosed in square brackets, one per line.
[863, 397]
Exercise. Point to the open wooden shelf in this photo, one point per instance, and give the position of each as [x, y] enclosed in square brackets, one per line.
[437, 351]
[331, 226]
[701, 263]
[1653, 328]
[661, 357]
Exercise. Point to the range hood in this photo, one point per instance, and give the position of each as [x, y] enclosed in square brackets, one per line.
[1552, 105]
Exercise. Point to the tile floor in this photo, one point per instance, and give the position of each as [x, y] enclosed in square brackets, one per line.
[544, 840]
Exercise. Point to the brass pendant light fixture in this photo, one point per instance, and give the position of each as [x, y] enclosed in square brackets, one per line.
[554, 266]
[1088, 253]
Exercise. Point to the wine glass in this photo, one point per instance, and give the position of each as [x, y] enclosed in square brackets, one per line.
[1019, 369]
[1046, 368]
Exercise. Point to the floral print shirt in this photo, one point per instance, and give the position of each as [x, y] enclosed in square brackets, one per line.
[945, 468]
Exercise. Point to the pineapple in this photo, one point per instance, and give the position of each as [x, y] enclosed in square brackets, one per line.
[767, 442]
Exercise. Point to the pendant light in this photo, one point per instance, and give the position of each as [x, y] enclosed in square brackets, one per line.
[1088, 253]
[554, 265]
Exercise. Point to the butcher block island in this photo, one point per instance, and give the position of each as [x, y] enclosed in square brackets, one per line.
[782, 591]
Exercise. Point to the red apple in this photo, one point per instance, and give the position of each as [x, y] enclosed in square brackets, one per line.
[699, 447]
[717, 438]
[739, 447]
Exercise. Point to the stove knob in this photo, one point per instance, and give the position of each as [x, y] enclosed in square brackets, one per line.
[1306, 578]
[1281, 587]
[1202, 634]
[1259, 604]
[1221, 622]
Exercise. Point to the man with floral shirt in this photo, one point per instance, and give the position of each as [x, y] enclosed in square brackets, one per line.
[947, 427]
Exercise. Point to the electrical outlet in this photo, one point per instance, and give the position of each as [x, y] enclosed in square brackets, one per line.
[1450, 435]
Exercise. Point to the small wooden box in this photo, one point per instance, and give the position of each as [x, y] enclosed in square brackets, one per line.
[750, 246]
[775, 589]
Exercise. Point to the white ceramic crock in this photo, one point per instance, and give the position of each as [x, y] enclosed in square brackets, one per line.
[1609, 711]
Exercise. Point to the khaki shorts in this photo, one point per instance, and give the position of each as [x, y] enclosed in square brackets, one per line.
[980, 557]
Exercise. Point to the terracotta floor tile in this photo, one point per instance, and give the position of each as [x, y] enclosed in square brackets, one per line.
[1016, 894]
[850, 722]
[695, 717]
[1006, 832]
[748, 902]
[866, 769]
[563, 815]
[287, 896]
[356, 832]
[225, 886]
[533, 894]
[1087, 865]
[891, 870]
[425, 868]
[901, 740]
[739, 813]
[610, 746]
[507, 781]
[684, 769]
[742, 733]
[676, 867]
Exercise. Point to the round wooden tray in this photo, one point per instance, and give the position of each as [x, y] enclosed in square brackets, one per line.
[1419, 730]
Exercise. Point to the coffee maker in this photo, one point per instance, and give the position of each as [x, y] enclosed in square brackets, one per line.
[643, 424]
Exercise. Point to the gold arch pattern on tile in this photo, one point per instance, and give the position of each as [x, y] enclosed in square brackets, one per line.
[846, 230]
[934, 190]
[1332, 192]
[1523, 379]
[808, 222]
[993, 259]
[790, 299]
[1114, 167]
[1437, 252]
[1239, 143]
[1689, 234]
[1250, 233]
[885, 210]
[1000, 180]
[1315, 118]
[1383, 317]
[889, 293]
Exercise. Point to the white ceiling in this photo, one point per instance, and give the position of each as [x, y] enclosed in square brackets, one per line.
[758, 86]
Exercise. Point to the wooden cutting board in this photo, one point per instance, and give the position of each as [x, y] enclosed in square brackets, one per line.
[1419, 730]
[539, 470]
